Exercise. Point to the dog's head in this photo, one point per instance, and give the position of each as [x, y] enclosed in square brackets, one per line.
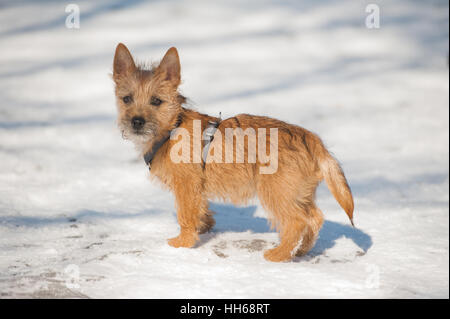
[147, 98]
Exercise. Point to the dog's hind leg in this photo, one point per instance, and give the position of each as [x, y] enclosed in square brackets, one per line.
[289, 217]
[311, 231]
[290, 212]
[290, 238]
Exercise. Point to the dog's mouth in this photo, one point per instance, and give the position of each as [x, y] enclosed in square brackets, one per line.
[139, 132]
[132, 133]
[140, 135]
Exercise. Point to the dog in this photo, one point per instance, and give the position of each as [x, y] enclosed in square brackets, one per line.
[151, 109]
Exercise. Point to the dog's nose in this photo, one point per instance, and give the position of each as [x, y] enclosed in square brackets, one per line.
[137, 122]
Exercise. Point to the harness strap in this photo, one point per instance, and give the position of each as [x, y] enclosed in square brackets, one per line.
[208, 136]
[148, 156]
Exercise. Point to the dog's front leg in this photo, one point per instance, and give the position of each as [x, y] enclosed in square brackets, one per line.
[191, 206]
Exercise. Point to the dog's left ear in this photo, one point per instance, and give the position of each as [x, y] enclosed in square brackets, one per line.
[170, 66]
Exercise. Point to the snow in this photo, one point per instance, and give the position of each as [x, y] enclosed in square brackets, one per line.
[79, 217]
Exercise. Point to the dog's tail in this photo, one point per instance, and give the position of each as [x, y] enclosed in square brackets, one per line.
[334, 177]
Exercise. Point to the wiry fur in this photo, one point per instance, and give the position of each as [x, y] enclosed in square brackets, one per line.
[288, 195]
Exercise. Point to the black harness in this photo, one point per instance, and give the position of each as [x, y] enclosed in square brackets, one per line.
[208, 136]
[148, 157]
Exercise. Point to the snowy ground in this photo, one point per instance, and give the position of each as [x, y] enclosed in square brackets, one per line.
[79, 217]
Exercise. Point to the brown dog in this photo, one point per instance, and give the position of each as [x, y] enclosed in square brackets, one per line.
[150, 108]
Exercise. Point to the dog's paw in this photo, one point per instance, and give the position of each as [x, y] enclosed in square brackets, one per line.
[207, 223]
[277, 255]
[182, 241]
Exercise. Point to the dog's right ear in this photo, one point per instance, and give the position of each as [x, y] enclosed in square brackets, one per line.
[123, 62]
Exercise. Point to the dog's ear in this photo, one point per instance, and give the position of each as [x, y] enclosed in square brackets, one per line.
[170, 66]
[123, 62]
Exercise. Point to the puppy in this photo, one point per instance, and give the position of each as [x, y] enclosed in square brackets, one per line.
[189, 152]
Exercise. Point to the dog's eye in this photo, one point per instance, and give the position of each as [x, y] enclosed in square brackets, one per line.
[155, 101]
[127, 99]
